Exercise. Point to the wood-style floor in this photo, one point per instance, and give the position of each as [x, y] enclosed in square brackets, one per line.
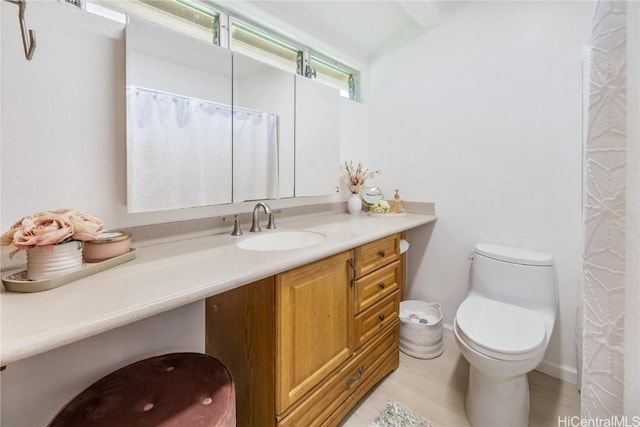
[435, 389]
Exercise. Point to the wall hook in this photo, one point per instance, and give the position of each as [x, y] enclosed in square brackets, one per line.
[29, 43]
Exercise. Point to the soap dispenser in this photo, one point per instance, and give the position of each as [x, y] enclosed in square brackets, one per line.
[396, 204]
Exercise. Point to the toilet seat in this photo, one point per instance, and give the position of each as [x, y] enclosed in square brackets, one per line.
[500, 330]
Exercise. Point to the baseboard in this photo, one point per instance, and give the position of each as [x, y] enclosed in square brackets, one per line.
[564, 373]
[447, 330]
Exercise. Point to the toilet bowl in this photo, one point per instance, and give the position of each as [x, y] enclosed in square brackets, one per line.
[503, 328]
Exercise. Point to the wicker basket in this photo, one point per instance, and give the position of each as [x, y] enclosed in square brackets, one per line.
[421, 340]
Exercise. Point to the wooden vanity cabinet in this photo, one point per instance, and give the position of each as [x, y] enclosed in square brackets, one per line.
[313, 325]
[376, 254]
[305, 345]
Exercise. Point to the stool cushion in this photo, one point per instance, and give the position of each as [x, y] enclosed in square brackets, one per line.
[178, 389]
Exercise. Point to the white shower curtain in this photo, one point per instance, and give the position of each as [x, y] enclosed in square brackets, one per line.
[255, 155]
[607, 364]
[178, 151]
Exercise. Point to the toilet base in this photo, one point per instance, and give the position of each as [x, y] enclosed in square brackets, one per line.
[495, 401]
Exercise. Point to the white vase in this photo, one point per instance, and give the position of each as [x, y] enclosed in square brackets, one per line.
[45, 262]
[354, 204]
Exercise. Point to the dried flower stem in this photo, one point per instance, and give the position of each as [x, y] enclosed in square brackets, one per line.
[355, 178]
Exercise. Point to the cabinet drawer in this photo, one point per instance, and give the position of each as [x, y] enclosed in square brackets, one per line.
[314, 410]
[390, 364]
[377, 285]
[370, 322]
[374, 255]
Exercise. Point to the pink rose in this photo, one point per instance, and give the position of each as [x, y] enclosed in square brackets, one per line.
[50, 228]
[85, 226]
[43, 228]
[7, 237]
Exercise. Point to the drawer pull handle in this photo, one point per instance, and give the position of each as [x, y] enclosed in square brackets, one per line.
[382, 254]
[352, 265]
[382, 285]
[381, 317]
[356, 377]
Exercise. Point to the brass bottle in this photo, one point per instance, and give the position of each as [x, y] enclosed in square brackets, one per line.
[396, 204]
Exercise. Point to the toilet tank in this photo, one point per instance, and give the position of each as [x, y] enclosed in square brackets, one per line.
[517, 276]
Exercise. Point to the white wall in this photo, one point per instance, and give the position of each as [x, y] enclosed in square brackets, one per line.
[482, 116]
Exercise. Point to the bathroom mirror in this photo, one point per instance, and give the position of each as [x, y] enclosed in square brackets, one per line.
[317, 165]
[263, 130]
[370, 195]
[175, 81]
[179, 128]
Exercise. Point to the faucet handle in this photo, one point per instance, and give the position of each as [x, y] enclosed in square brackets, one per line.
[272, 224]
[236, 226]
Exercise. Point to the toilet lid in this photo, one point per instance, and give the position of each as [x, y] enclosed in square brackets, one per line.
[500, 330]
[514, 255]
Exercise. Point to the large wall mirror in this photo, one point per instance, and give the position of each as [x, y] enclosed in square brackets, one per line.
[317, 169]
[263, 130]
[179, 132]
[205, 127]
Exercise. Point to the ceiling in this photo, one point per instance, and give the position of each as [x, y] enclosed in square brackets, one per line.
[357, 29]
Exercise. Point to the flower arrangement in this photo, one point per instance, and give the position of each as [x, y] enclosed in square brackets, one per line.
[381, 206]
[355, 178]
[51, 228]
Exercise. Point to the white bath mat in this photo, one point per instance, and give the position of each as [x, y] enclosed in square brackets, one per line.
[397, 415]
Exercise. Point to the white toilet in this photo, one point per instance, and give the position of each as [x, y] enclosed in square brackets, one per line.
[503, 328]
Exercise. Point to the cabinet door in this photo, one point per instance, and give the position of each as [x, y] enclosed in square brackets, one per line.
[314, 315]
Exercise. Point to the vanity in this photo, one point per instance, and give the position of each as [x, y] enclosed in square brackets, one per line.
[332, 326]
[305, 332]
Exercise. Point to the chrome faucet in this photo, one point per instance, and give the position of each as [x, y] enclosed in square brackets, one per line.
[237, 231]
[255, 223]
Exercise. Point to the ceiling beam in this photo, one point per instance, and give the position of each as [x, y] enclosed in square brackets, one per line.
[424, 12]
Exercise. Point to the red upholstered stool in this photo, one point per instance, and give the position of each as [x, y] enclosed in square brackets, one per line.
[178, 389]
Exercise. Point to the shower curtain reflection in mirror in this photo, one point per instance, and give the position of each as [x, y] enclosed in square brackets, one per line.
[170, 137]
[255, 155]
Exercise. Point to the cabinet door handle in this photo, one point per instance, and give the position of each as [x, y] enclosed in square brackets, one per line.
[356, 377]
[352, 264]
[382, 254]
[381, 317]
[382, 285]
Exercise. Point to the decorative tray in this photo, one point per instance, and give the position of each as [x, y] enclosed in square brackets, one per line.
[18, 282]
[387, 215]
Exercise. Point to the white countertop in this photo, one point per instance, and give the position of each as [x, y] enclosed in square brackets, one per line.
[166, 276]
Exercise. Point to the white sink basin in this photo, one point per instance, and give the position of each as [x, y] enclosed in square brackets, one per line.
[281, 240]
